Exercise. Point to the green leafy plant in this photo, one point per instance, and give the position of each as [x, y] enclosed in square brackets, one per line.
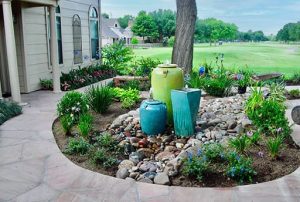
[145, 66]
[239, 143]
[134, 41]
[77, 146]
[128, 97]
[100, 98]
[103, 158]
[277, 92]
[295, 93]
[117, 56]
[217, 83]
[46, 84]
[195, 166]
[171, 41]
[8, 110]
[269, 116]
[73, 104]
[273, 145]
[67, 123]
[240, 168]
[131, 84]
[85, 125]
[214, 152]
[243, 77]
[254, 101]
[195, 80]
[105, 140]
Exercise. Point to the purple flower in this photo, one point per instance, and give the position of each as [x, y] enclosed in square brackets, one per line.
[260, 154]
[249, 133]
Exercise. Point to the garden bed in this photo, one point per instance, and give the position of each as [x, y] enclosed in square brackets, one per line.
[220, 120]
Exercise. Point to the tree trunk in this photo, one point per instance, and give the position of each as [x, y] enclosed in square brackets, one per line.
[184, 37]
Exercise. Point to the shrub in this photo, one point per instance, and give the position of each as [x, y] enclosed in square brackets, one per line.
[117, 56]
[46, 84]
[195, 80]
[239, 143]
[171, 41]
[134, 41]
[81, 77]
[67, 123]
[145, 66]
[8, 110]
[269, 117]
[131, 84]
[77, 146]
[195, 166]
[240, 168]
[214, 152]
[73, 104]
[85, 125]
[273, 145]
[103, 158]
[100, 98]
[128, 97]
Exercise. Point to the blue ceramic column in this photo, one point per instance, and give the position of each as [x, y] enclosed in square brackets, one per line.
[185, 105]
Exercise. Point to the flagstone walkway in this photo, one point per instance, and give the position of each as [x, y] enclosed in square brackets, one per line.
[32, 168]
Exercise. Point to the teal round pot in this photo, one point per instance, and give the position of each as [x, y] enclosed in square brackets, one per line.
[153, 117]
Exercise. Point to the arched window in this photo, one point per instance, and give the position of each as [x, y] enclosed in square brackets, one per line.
[94, 32]
[59, 38]
[77, 39]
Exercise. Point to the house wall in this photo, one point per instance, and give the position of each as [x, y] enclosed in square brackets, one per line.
[37, 51]
[107, 41]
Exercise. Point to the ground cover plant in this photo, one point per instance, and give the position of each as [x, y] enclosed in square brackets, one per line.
[8, 110]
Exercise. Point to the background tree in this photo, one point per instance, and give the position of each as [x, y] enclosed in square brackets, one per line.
[144, 26]
[182, 54]
[123, 21]
[289, 32]
[105, 15]
[165, 21]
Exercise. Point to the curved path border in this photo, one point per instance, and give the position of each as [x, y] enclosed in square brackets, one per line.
[32, 168]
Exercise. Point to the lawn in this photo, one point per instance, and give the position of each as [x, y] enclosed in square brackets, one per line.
[261, 57]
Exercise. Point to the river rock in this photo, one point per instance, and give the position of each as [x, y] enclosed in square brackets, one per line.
[164, 156]
[162, 179]
[126, 164]
[136, 157]
[148, 166]
[122, 173]
[150, 175]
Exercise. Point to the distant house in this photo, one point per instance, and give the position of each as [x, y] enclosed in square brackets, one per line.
[113, 32]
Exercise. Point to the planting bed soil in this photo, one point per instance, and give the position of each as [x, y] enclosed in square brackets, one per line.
[219, 120]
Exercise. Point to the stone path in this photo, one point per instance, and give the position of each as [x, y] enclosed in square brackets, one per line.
[32, 168]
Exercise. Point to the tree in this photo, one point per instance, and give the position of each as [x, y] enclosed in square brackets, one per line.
[144, 26]
[289, 32]
[105, 15]
[165, 21]
[182, 54]
[123, 21]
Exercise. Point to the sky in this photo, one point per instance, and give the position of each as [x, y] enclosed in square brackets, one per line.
[266, 15]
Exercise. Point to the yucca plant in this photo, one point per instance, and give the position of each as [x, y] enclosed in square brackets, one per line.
[100, 98]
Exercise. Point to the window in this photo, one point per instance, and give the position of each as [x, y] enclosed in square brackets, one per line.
[58, 33]
[77, 39]
[94, 33]
[116, 25]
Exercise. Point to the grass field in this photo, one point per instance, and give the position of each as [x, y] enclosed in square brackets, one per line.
[260, 57]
